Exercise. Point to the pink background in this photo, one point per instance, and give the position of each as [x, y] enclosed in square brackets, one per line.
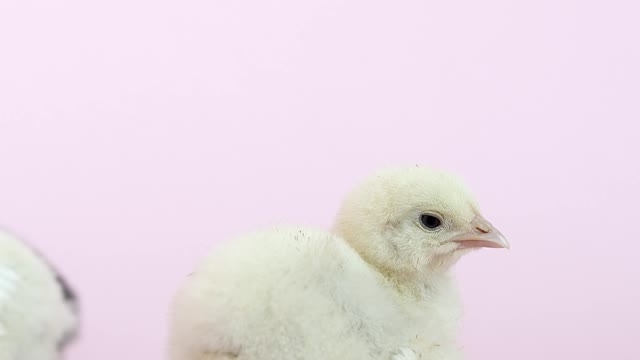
[135, 134]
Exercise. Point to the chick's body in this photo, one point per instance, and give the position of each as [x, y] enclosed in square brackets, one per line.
[309, 296]
[37, 314]
[375, 288]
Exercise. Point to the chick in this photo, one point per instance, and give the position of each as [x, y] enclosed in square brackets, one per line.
[377, 287]
[37, 308]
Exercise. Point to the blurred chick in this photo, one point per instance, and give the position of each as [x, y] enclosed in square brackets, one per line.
[37, 308]
[377, 287]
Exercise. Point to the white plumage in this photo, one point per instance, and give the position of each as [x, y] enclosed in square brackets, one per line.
[37, 310]
[377, 287]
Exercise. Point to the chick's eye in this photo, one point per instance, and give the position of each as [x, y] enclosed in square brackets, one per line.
[430, 221]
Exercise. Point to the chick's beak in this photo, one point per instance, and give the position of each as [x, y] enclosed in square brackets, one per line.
[482, 234]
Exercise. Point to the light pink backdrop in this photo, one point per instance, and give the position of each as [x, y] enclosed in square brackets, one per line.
[135, 134]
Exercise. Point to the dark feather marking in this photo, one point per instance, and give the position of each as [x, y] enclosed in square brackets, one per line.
[71, 299]
[67, 292]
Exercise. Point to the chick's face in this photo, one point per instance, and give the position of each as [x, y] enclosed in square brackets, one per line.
[415, 219]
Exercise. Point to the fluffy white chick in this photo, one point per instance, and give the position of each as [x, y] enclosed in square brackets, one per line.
[37, 308]
[378, 287]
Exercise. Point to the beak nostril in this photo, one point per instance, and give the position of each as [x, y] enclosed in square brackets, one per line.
[483, 230]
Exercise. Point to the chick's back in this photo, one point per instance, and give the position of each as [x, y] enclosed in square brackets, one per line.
[285, 293]
[35, 316]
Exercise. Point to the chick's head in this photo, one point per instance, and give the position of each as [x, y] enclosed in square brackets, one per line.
[414, 220]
